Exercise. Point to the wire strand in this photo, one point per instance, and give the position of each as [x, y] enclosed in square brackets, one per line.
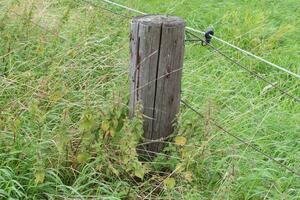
[246, 69]
[125, 7]
[247, 53]
[242, 140]
[184, 102]
[41, 27]
[219, 39]
[216, 49]
[106, 9]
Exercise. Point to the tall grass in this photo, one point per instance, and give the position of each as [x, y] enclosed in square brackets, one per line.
[64, 131]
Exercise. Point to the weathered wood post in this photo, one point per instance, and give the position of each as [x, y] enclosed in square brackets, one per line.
[157, 50]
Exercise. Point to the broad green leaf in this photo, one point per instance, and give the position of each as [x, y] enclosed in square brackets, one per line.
[139, 172]
[39, 176]
[105, 126]
[56, 96]
[87, 123]
[83, 157]
[188, 176]
[170, 183]
[17, 123]
[180, 140]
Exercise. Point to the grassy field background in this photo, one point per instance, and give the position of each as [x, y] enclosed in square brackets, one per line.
[64, 131]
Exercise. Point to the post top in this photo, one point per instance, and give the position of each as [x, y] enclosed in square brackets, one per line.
[166, 20]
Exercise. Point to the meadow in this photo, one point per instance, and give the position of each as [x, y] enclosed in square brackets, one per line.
[64, 127]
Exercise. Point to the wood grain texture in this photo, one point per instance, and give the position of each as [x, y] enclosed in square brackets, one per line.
[133, 62]
[157, 49]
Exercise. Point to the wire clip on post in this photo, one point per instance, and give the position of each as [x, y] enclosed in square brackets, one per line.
[204, 42]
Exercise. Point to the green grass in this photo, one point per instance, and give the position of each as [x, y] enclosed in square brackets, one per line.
[64, 131]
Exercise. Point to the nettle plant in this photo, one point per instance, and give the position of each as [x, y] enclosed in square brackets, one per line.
[109, 141]
[104, 138]
[180, 156]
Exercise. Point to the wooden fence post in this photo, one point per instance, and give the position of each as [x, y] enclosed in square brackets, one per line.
[157, 50]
